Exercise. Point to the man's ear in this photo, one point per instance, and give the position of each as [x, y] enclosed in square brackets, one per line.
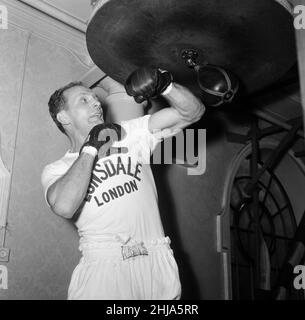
[63, 117]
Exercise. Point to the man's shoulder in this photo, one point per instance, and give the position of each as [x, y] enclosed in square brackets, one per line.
[64, 162]
[54, 170]
[136, 123]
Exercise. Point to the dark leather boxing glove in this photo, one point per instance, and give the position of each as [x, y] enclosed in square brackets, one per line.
[102, 136]
[146, 83]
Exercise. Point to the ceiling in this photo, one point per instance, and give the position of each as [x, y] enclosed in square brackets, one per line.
[78, 9]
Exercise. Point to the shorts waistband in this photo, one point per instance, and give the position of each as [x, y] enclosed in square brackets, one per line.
[124, 250]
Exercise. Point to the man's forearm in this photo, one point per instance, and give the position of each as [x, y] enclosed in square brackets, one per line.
[183, 100]
[67, 194]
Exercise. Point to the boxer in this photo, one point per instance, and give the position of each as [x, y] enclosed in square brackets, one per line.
[125, 253]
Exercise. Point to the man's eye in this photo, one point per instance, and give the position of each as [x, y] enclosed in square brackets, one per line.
[84, 100]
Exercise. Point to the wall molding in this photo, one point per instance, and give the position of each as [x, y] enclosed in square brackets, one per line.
[57, 13]
[5, 179]
[32, 20]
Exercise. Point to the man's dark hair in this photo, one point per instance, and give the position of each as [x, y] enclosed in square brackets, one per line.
[57, 102]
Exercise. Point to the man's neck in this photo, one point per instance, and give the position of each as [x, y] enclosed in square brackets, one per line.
[76, 142]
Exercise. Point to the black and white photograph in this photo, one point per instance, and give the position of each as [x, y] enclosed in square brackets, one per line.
[152, 150]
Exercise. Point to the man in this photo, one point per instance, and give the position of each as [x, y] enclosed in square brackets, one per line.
[111, 196]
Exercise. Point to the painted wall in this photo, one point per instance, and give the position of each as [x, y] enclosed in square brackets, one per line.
[189, 208]
[190, 205]
[43, 246]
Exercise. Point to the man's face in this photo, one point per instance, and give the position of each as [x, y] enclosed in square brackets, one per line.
[83, 109]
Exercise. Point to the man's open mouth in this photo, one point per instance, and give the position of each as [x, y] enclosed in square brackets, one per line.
[95, 116]
[98, 114]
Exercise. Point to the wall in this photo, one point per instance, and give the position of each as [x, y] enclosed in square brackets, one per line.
[189, 209]
[33, 64]
[193, 207]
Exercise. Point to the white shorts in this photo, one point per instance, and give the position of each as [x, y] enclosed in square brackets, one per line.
[103, 274]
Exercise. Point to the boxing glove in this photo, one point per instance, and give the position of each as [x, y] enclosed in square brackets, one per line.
[102, 136]
[146, 83]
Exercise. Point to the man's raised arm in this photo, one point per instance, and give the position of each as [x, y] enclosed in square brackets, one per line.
[185, 108]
